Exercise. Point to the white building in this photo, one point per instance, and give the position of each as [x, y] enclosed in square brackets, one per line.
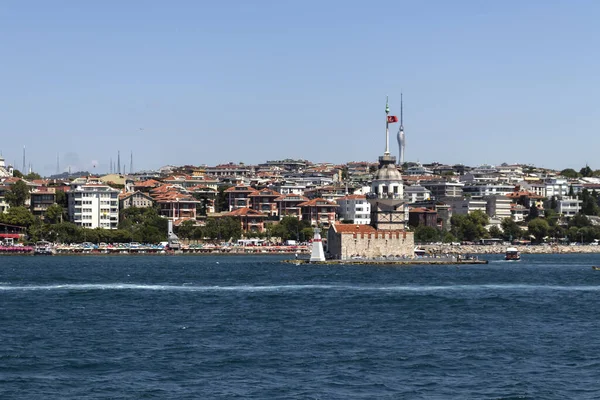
[568, 206]
[488, 189]
[354, 208]
[94, 206]
[556, 187]
[415, 193]
[5, 171]
[498, 207]
[466, 205]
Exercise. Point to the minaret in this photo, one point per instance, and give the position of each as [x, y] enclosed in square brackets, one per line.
[401, 138]
[23, 170]
[131, 164]
[119, 162]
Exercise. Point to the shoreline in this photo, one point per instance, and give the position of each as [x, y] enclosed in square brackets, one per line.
[495, 249]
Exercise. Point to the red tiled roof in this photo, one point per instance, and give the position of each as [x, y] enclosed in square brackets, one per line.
[265, 192]
[351, 228]
[354, 197]
[314, 202]
[240, 189]
[288, 196]
[243, 212]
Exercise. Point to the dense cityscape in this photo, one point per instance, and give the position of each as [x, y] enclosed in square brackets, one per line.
[281, 200]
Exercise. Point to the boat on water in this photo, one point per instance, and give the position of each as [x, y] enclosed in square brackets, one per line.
[43, 248]
[596, 268]
[512, 254]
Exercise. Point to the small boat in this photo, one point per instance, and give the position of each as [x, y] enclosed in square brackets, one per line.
[512, 254]
[596, 268]
[43, 248]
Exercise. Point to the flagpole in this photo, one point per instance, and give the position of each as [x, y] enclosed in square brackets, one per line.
[387, 125]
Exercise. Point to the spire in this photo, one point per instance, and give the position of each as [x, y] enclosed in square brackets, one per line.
[119, 162]
[131, 163]
[401, 138]
[401, 113]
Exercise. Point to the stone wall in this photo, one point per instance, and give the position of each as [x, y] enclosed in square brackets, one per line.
[397, 243]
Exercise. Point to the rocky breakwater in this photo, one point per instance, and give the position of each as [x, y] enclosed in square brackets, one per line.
[530, 249]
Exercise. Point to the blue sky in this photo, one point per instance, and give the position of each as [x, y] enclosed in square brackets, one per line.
[205, 82]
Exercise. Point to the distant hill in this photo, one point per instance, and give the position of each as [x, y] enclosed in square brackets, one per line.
[66, 175]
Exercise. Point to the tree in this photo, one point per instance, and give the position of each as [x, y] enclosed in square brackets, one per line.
[17, 173]
[579, 220]
[539, 228]
[18, 194]
[426, 234]
[186, 229]
[471, 226]
[553, 204]
[18, 215]
[54, 214]
[586, 171]
[495, 232]
[569, 173]
[221, 202]
[589, 204]
[61, 199]
[32, 175]
[290, 228]
[511, 229]
[534, 212]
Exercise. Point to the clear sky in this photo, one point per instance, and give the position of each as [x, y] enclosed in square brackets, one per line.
[207, 82]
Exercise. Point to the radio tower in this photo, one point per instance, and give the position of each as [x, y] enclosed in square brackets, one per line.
[401, 138]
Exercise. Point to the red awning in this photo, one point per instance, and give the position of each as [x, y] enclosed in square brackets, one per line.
[10, 235]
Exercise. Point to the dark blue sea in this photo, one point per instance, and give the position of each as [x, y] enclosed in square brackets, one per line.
[251, 327]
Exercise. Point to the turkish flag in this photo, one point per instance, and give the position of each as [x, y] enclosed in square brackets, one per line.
[392, 119]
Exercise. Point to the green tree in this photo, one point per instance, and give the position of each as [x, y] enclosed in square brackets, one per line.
[495, 232]
[54, 214]
[539, 228]
[221, 202]
[186, 229]
[579, 220]
[534, 212]
[18, 215]
[449, 238]
[31, 176]
[17, 173]
[511, 229]
[470, 227]
[586, 171]
[61, 199]
[589, 204]
[426, 234]
[18, 194]
[569, 173]
[290, 228]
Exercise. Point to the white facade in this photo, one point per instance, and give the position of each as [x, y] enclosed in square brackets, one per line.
[4, 171]
[488, 189]
[415, 193]
[556, 187]
[466, 205]
[568, 206]
[498, 207]
[354, 208]
[94, 206]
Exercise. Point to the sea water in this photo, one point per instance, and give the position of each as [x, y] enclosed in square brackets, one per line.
[251, 327]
